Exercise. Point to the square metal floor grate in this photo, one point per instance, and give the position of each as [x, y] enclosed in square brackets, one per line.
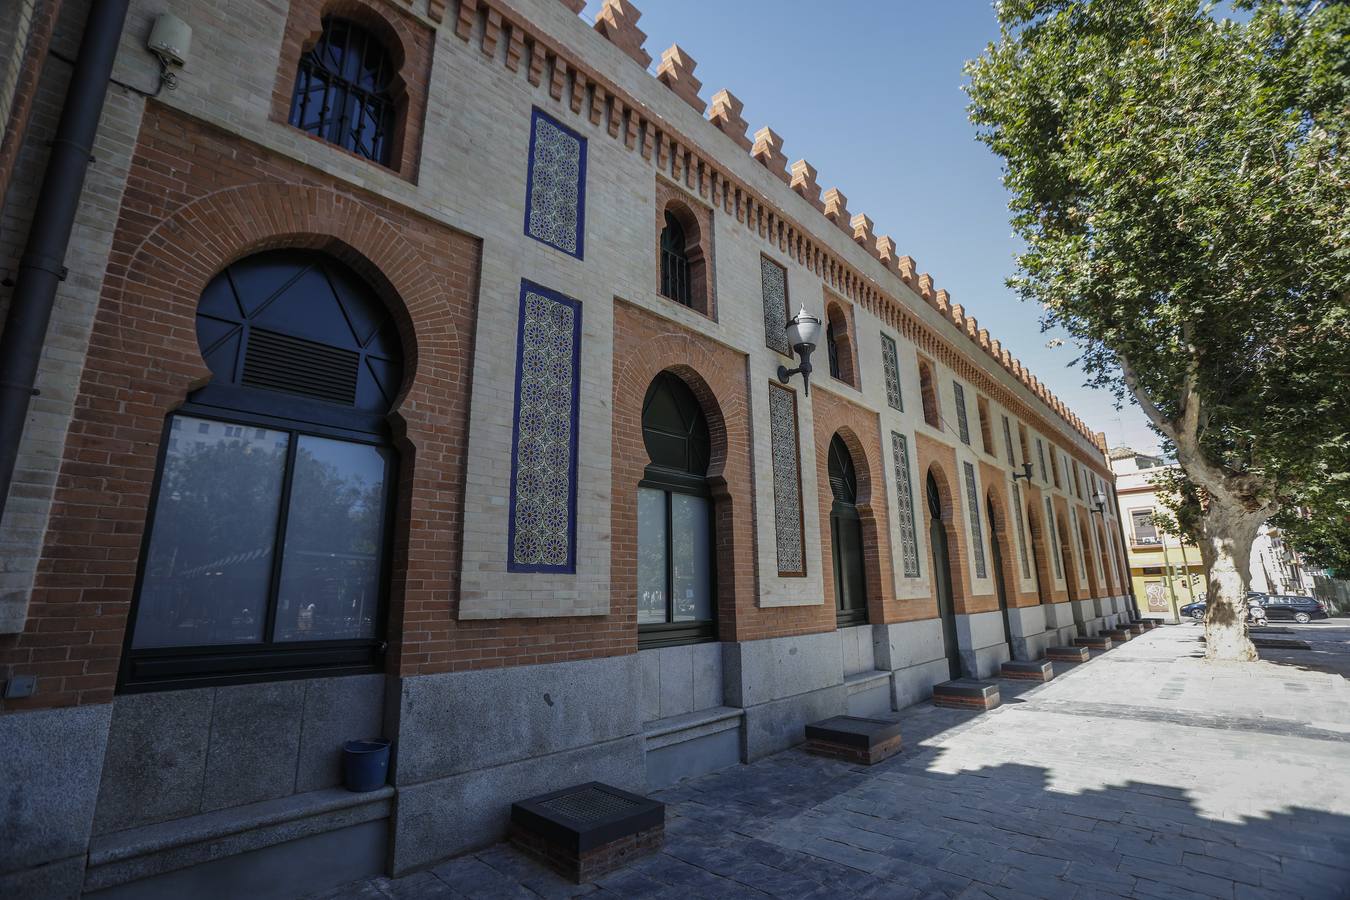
[589, 805]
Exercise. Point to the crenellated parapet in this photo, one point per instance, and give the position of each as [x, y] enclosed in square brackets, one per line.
[726, 117]
[677, 73]
[804, 183]
[596, 99]
[836, 210]
[617, 21]
[768, 151]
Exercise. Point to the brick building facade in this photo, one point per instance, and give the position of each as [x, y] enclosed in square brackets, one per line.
[507, 339]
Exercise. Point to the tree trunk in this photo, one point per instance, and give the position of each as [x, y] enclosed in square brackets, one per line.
[1227, 533]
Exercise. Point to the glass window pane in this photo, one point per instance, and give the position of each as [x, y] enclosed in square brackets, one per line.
[651, 556]
[689, 545]
[209, 565]
[330, 568]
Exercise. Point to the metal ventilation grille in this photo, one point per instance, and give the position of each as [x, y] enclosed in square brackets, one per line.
[279, 362]
[589, 804]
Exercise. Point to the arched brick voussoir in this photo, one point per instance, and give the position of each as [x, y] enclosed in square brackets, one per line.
[720, 393]
[177, 259]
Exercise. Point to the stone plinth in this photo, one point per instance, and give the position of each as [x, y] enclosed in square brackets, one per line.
[1068, 654]
[1100, 642]
[966, 693]
[853, 738]
[1028, 670]
[587, 830]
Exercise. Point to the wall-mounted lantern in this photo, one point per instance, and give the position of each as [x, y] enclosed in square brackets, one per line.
[1099, 504]
[1025, 473]
[803, 330]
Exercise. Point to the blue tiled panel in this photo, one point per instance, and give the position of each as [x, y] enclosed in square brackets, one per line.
[555, 189]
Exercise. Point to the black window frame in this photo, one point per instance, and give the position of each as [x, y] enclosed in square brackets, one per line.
[378, 103]
[169, 668]
[676, 269]
[242, 406]
[670, 481]
[844, 514]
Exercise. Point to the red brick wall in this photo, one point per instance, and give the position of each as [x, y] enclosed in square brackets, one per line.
[644, 346]
[409, 43]
[1039, 538]
[1064, 533]
[197, 200]
[1004, 526]
[861, 431]
[696, 217]
[941, 460]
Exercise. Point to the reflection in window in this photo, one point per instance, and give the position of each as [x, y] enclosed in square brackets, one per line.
[209, 565]
[330, 569]
[675, 563]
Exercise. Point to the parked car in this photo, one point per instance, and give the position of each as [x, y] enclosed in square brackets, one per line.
[1195, 610]
[1301, 609]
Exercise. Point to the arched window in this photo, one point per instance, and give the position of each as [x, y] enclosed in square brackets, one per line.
[850, 586]
[839, 345]
[675, 262]
[675, 577]
[267, 545]
[928, 394]
[344, 91]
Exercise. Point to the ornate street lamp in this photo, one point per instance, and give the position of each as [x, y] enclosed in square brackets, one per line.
[803, 330]
[1099, 504]
[1026, 473]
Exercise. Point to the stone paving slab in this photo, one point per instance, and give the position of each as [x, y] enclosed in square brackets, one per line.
[1126, 776]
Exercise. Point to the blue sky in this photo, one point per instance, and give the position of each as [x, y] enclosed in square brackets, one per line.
[870, 94]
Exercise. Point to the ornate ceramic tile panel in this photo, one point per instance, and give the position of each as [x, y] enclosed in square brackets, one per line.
[774, 293]
[1053, 533]
[904, 492]
[891, 365]
[542, 529]
[555, 189]
[961, 421]
[973, 506]
[787, 483]
[1040, 451]
[1007, 442]
[1021, 526]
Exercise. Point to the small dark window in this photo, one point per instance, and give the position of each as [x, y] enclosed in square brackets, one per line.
[832, 348]
[850, 586]
[929, 395]
[343, 91]
[675, 566]
[675, 262]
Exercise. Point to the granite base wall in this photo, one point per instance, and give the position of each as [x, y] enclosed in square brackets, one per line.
[983, 643]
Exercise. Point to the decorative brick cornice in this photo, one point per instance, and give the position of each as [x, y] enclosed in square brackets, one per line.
[768, 150]
[575, 6]
[646, 132]
[862, 231]
[617, 21]
[677, 73]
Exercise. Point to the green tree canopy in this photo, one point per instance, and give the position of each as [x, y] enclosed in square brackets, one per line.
[1181, 183]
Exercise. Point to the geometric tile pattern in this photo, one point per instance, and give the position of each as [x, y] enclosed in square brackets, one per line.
[972, 504]
[555, 188]
[773, 291]
[1021, 525]
[1007, 441]
[542, 521]
[891, 366]
[787, 487]
[909, 545]
[1078, 541]
[1040, 451]
[961, 412]
[1052, 531]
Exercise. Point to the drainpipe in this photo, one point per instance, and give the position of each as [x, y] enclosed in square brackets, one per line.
[42, 266]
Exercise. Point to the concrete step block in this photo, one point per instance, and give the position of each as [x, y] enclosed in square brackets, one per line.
[966, 693]
[1094, 643]
[589, 829]
[1119, 635]
[1028, 670]
[854, 738]
[1068, 654]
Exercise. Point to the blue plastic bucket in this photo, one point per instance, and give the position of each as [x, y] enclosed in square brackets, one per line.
[365, 765]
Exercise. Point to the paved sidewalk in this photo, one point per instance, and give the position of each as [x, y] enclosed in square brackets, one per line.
[1143, 773]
